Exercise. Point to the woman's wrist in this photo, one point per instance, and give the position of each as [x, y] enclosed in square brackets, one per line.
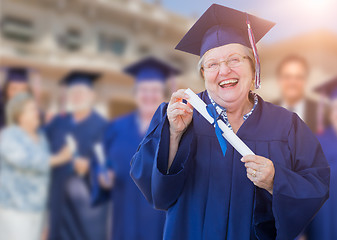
[175, 136]
[174, 144]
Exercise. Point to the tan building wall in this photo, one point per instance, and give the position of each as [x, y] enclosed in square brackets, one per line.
[57, 36]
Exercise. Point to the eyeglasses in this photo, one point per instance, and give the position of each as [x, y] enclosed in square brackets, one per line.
[232, 61]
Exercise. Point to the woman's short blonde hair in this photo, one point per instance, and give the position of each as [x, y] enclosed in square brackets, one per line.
[248, 52]
[15, 107]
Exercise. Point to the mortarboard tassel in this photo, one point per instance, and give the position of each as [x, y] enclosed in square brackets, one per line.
[256, 56]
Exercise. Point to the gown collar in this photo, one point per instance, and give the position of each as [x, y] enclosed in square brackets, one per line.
[248, 129]
[223, 112]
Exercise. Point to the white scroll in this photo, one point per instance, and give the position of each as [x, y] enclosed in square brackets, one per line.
[98, 149]
[71, 144]
[228, 134]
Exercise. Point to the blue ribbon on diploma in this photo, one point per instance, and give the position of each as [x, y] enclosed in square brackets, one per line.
[223, 143]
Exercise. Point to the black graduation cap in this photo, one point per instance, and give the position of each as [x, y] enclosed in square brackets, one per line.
[17, 74]
[328, 89]
[80, 77]
[221, 25]
[151, 69]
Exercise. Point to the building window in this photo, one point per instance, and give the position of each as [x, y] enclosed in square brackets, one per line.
[115, 45]
[71, 40]
[17, 29]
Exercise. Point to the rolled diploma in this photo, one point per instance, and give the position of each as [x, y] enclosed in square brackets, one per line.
[98, 148]
[71, 144]
[230, 136]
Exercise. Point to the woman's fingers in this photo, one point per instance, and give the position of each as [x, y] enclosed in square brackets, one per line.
[251, 178]
[260, 171]
[253, 172]
[180, 105]
[252, 158]
[188, 104]
[178, 96]
[177, 112]
[252, 165]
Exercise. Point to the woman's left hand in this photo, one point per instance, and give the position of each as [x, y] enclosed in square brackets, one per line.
[260, 171]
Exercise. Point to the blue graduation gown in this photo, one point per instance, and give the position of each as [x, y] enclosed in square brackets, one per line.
[2, 111]
[71, 215]
[208, 196]
[2, 117]
[324, 225]
[133, 217]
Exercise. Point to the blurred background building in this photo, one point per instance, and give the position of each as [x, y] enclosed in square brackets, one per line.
[55, 36]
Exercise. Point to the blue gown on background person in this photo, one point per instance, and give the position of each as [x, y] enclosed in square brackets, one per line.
[133, 217]
[2, 112]
[71, 215]
[324, 225]
[208, 196]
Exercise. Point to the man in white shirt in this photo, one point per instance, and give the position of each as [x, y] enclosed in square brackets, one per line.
[292, 78]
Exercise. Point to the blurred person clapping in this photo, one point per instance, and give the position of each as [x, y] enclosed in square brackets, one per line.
[24, 174]
[133, 217]
[71, 214]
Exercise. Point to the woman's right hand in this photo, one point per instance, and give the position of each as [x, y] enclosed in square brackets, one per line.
[179, 114]
[62, 157]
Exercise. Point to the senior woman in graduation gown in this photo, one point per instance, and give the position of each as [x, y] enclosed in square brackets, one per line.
[71, 215]
[207, 188]
[324, 224]
[133, 217]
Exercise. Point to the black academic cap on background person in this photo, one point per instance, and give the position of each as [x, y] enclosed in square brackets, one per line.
[80, 77]
[220, 26]
[328, 89]
[151, 69]
[17, 74]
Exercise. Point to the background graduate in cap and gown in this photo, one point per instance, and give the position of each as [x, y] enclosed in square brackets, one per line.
[16, 81]
[183, 167]
[324, 225]
[133, 217]
[71, 214]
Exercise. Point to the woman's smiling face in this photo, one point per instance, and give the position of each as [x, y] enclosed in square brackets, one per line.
[227, 85]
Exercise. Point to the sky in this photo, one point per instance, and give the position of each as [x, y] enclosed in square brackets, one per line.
[292, 17]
